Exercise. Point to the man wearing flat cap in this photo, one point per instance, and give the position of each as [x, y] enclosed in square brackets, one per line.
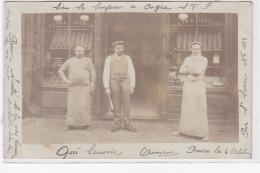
[119, 82]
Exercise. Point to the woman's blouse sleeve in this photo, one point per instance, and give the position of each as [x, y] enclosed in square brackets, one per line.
[201, 67]
[184, 67]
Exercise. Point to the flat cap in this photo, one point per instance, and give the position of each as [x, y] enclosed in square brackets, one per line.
[196, 42]
[117, 42]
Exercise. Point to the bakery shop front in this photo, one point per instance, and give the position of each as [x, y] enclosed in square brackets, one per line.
[157, 45]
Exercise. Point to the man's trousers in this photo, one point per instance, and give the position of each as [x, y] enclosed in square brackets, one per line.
[120, 92]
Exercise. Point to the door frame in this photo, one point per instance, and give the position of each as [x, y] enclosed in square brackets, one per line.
[104, 49]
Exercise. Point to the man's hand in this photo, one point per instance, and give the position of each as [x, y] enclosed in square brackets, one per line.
[132, 90]
[108, 91]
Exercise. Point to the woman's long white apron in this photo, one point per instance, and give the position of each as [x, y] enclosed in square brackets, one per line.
[194, 119]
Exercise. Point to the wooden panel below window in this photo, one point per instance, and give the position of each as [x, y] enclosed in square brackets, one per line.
[58, 99]
[54, 99]
[218, 104]
[173, 103]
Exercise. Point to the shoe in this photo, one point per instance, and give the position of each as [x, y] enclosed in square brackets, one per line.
[88, 128]
[130, 128]
[175, 133]
[66, 128]
[205, 138]
[116, 129]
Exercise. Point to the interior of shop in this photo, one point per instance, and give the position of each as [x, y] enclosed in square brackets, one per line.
[142, 42]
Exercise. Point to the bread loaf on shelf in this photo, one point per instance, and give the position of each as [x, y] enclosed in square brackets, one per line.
[60, 40]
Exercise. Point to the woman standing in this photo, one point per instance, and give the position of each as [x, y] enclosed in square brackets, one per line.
[194, 120]
[81, 78]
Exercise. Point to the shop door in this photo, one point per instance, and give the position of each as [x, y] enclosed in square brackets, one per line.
[141, 34]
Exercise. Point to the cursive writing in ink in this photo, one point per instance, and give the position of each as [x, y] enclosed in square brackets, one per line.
[243, 107]
[61, 6]
[244, 90]
[94, 151]
[81, 7]
[64, 152]
[100, 6]
[147, 151]
[157, 7]
[244, 130]
[194, 149]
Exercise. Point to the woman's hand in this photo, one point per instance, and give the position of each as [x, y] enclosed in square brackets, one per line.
[132, 90]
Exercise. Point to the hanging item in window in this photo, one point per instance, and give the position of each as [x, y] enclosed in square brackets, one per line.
[60, 40]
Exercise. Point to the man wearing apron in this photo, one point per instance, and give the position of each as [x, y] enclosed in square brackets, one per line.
[81, 78]
[119, 82]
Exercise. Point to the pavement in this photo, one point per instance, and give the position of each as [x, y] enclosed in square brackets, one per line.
[41, 130]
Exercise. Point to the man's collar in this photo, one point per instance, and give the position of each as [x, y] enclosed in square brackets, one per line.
[118, 56]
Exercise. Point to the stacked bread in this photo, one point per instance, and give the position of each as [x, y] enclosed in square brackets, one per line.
[60, 40]
[210, 41]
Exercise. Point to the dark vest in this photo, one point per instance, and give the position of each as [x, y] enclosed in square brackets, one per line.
[118, 66]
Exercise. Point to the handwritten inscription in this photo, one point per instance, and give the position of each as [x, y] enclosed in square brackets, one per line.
[244, 130]
[195, 5]
[232, 151]
[243, 91]
[64, 152]
[106, 7]
[239, 151]
[61, 6]
[147, 151]
[101, 7]
[14, 131]
[12, 84]
[243, 107]
[243, 58]
[157, 7]
[12, 41]
[7, 18]
[244, 43]
[94, 151]
[194, 149]
[207, 5]
[81, 7]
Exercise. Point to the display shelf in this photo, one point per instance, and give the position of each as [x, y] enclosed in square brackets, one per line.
[212, 89]
[61, 86]
[182, 26]
[60, 40]
[201, 50]
[49, 29]
[209, 67]
[58, 48]
[207, 29]
[220, 26]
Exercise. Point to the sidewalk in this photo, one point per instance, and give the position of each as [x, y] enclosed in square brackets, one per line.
[49, 131]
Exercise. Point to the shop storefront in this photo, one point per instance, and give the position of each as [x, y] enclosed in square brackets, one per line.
[157, 44]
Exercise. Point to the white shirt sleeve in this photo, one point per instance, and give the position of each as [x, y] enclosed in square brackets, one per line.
[131, 72]
[106, 72]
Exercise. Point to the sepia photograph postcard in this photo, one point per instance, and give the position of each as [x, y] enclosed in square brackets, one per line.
[111, 81]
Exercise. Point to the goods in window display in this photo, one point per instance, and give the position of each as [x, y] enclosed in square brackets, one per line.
[60, 40]
[219, 41]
